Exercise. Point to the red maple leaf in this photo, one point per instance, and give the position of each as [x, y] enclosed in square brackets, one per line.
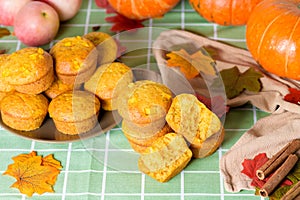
[105, 4]
[250, 167]
[293, 96]
[122, 23]
[218, 106]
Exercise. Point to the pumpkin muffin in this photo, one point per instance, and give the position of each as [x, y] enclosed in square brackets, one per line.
[108, 81]
[165, 158]
[139, 141]
[4, 86]
[143, 130]
[28, 70]
[144, 102]
[190, 118]
[106, 46]
[75, 59]
[24, 112]
[58, 87]
[74, 112]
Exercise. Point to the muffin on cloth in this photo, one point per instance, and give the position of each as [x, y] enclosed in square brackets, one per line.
[108, 81]
[4, 86]
[74, 112]
[58, 87]
[106, 46]
[139, 140]
[144, 102]
[165, 158]
[24, 112]
[190, 118]
[28, 70]
[75, 59]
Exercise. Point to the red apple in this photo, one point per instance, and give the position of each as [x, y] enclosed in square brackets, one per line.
[9, 9]
[36, 24]
[66, 9]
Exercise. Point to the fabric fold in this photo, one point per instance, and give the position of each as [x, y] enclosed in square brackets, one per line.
[268, 134]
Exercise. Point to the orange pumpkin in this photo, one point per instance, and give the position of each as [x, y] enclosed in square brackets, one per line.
[143, 9]
[225, 12]
[273, 37]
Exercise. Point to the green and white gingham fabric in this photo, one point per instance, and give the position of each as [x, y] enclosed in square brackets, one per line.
[105, 167]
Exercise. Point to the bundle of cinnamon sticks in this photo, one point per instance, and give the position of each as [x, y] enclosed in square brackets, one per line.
[280, 164]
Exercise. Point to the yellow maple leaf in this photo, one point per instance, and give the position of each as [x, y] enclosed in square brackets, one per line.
[33, 174]
[23, 157]
[191, 64]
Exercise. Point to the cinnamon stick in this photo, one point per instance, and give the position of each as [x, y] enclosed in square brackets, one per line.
[293, 192]
[272, 164]
[278, 176]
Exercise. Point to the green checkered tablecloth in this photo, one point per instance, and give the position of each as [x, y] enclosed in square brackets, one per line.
[104, 167]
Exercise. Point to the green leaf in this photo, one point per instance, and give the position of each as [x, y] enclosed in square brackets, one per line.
[4, 32]
[236, 82]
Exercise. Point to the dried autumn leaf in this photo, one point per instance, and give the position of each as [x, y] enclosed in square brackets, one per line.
[236, 82]
[23, 157]
[33, 173]
[4, 32]
[105, 4]
[293, 96]
[191, 64]
[122, 23]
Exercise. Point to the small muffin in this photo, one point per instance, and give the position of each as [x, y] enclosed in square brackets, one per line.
[58, 87]
[165, 158]
[106, 46]
[4, 86]
[75, 59]
[144, 102]
[74, 112]
[24, 112]
[29, 70]
[189, 117]
[143, 130]
[108, 81]
[140, 141]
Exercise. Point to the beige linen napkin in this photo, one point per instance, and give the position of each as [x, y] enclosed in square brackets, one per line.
[269, 134]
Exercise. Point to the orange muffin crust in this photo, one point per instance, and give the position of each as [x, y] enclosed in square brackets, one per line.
[4, 86]
[106, 46]
[108, 81]
[75, 59]
[144, 101]
[26, 66]
[24, 111]
[74, 112]
[58, 87]
[141, 138]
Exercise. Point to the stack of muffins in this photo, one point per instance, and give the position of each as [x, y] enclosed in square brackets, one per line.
[34, 83]
[143, 107]
[74, 81]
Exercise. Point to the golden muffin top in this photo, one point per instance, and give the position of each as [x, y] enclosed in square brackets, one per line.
[4, 86]
[74, 106]
[25, 106]
[106, 45]
[73, 55]
[109, 79]
[26, 65]
[58, 87]
[144, 101]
